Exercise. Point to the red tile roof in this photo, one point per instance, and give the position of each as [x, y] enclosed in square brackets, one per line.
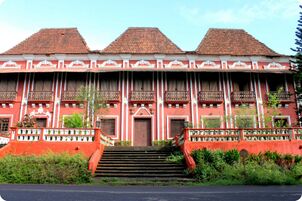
[235, 42]
[50, 41]
[138, 40]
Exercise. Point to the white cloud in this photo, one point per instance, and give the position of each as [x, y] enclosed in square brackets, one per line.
[11, 35]
[1, 2]
[266, 9]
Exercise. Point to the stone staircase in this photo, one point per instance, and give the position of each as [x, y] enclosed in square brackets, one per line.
[138, 162]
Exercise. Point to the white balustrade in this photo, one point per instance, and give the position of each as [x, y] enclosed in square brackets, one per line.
[4, 140]
[213, 135]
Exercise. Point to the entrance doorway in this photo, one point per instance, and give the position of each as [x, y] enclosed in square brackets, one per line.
[142, 132]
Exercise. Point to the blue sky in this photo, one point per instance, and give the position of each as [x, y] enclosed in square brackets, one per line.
[185, 22]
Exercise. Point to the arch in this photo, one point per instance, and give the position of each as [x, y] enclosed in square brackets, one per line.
[240, 64]
[208, 64]
[77, 64]
[176, 64]
[45, 64]
[110, 63]
[10, 64]
[142, 64]
[274, 65]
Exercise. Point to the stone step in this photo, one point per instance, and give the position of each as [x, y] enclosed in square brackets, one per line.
[140, 171]
[134, 148]
[140, 175]
[134, 157]
[140, 168]
[139, 165]
[136, 153]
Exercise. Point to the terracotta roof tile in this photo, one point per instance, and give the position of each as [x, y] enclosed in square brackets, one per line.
[50, 41]
[235, 42]
[140, 40]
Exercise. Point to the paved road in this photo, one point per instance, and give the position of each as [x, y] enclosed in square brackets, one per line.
[148, 193]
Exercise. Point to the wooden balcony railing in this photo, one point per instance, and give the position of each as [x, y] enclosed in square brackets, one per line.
[177, 96]
[243, 96]
[138, 96]
[210, 96]
[70, 95]
[8, 95]
[109, 95]
[283, 96]
[40, 96]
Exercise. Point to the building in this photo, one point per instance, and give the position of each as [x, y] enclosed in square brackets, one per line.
[150, 85]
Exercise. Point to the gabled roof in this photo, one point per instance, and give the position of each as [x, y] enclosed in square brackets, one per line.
[50, 41]
[234, 42]
[141, 40]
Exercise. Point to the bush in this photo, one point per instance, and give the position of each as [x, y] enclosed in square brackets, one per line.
[73, 121]
[231, 156]
[226, 168]
[176, 157]
[47, 169]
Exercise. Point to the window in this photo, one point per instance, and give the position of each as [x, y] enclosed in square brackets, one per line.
[241, 82]
[43, 82]
[209, 82]
[41, 122]
[281, 122]
[211, 122]
[276, 83]
[8, 83]
[75, 81]
[108, 126]
[4, 125]
[142, 82]
[176, 126]
[109, 82]
[244, 122]
[176, 81]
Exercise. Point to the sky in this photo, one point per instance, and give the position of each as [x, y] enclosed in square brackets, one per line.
[185, 22]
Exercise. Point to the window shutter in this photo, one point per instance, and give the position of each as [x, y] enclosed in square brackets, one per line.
[176, 126]
[108, 126]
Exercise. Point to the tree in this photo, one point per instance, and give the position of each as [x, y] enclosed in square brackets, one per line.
[73, 121]
[297, 61]
[93, 103]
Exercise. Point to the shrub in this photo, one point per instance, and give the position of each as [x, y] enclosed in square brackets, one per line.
[73, 121]
[268, 173]
[274, 156]
[176, 157]
[231, 156]
[226, 168]
[54, 169]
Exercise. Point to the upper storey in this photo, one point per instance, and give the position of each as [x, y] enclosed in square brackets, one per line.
[142, 49]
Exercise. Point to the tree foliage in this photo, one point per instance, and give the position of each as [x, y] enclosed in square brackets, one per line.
[93, 103]
[297, 61]
[73, 121]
